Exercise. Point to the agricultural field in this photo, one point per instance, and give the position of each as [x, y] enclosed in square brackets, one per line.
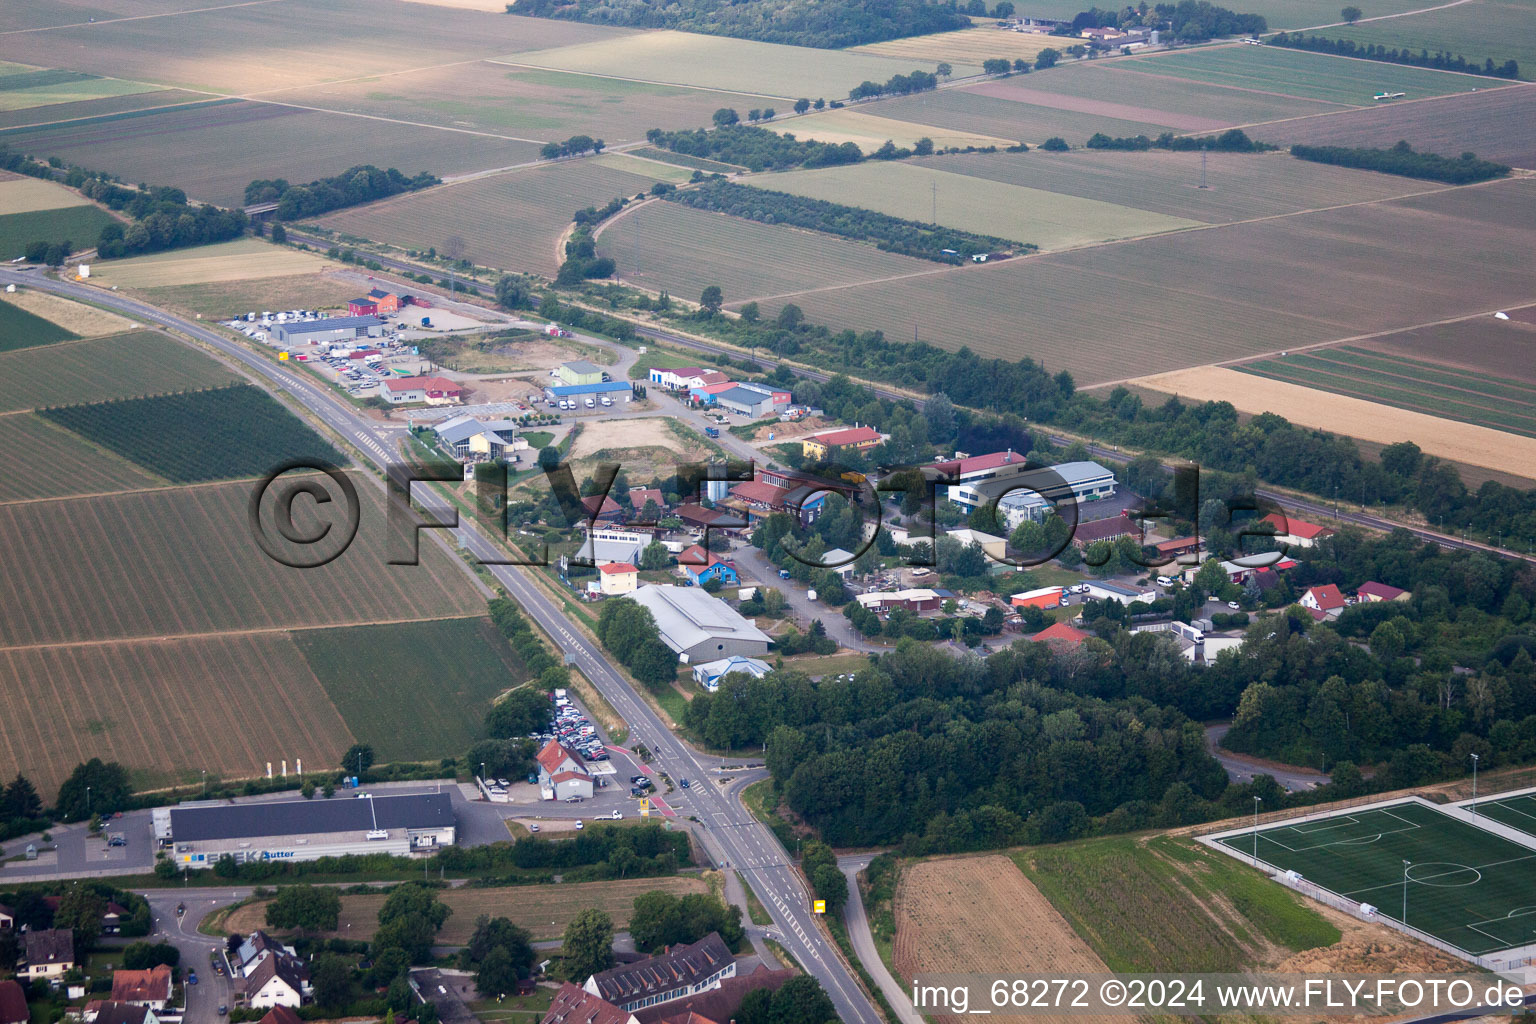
[120, 701]
[650, 168]
[229, 298]
[966, 46]
[1317, 76]
[1431, 388]
[769, 70]
[1281, 14]
[1496, 124]
[925, 193]
[245, 48]
[1465, 886]
[1517, 812]
[78, 225]
[38, 87]
[1482, 345]
[1476, 31]
[182, 561]
[1166, 904]
[1354, 417]
[75, 317]
[1108, 88]
[682, 250]
[965, 110]
[28, 195]
[81, 109]
[197, 436]
[22, 329]
[509, 221]
[979, 915]
[120, 366]
[376, 676]
[530, 103]
[240, 260]
[1238, 186]
[871, 131]
[40, 460]
[190, 146]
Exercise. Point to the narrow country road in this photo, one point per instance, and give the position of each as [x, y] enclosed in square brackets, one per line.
[864, 941]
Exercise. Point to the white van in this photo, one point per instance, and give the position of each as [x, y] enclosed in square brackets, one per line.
[591, 404]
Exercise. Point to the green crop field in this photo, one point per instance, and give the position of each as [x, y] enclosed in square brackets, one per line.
[80, 109]
[21, 329]
[510, 221]
[217, 434]
[1518, 812]
[43, 87]
[40, 460]
[1317, 76]
[900, 189]
[121, 366]
[684, 160]
[1430, 388]
[1470, 888]
[189, 147]
[441, 675]
[1476, 31]
[967, 110]
[79, 225]
[1239, 186]
[718, 62]
[682, 250]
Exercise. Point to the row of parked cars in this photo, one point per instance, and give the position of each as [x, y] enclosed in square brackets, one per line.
[575, 730]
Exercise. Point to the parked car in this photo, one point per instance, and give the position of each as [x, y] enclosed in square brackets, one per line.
[636, 779]
[533, 827]
[1234, 606]
[223, 1009]
[191, 977]
[617, 816]
[580, 826]
[1165, 581]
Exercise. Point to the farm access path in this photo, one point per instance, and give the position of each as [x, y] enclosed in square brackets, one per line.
[729, 834]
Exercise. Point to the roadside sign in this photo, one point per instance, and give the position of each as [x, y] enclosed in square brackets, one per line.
[645, 807]
[282, 357]
[819, 906]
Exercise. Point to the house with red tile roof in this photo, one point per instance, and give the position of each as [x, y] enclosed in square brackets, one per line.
[575, 1005]
[151, 988]
[1295, 532]
[856, 439]
[1324, 602]
[617, 579]
[1061, 635]
[562, 774]
[13, 1003]
[1374, 591]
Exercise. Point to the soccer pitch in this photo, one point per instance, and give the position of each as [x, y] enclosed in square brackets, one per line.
[1517, 812]
[1470, 888]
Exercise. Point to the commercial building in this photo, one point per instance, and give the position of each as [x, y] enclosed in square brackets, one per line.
[699, 625]
[617, 579]
[683, 971]
[48, 953]
[306, 829]
[362, 307]
[562, 775]
[993, 546]
[918, 599]
[387, 302]
[684, 378]
[1022, 493]
[467, 437]
[579, 371]
[615, 390]
[575, 1005]
[829, 444]
[709, 674]
[332, 329]
[1103, 590]
[431, 390]
[717, 1005]
[605, 546]
[1044, 597]
[1108, 528]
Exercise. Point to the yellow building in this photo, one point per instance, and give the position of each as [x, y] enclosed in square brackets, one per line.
[618, 578]
[824, 446]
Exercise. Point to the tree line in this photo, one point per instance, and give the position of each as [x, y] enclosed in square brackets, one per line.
[892, 234]
[896, 85]
[1440, 60]
[361, 184]
[1233, 140]
[757, 149]
[1404, 160]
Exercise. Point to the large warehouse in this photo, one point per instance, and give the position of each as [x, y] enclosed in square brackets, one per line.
[331, 329]
[305, 829]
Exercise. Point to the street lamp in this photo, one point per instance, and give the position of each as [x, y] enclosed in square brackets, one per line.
[87, 801]
[205, 782]
[1406, 865]
[1256, 801]
[1474, 783]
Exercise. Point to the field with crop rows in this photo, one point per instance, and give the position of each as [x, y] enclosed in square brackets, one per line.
[196, 436]
[245, 48]
[183, 560]
[683, 250]
[190, 146]
[21, 329]
[1476, 31]
[378, 677]
[40, 460]
[1316, 76]
[1484, 345]
[166, 709]
[240, 260]
[43, 86]
[1047, 219]
[1181, 104]
[871, 131]
[719, 62]
[27, 195]
[81, 109]
[78, 225]
[1496, 124]
[965, 46]
[1493, 402]
[56, 13]
[528, 102]
[509, 221]
[121, 366]
[966, 110]
[1239, 186]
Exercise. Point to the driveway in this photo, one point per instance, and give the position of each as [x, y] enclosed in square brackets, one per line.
[1242, 768]
[756, 564]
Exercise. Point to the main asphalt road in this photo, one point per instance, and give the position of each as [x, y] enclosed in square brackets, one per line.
[732, 836]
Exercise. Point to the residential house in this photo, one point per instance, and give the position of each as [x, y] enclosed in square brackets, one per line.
[1061, 635]
[1324, 602]
[256, 947]
[575, 1005]
[1044, 597]
[709, 674]
[111, 917]
[579, 371]
[562, 774]
[7, 918]
[1373, 591]
[703, 566]
[1295, 532]
[281, 1015]
[700, 625]
[678, 972]
[151, 988]
[638, 496]
[278, 979]
[617, 579]
[601, 508]
[48, 954]
[719, 1004]
[362, 307]
[107, 1011]
[13, 1003]
[830, 444]
[383, 301]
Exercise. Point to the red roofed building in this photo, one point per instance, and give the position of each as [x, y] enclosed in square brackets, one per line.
[1059, 634]
[716, 1004]
[431, 390]
[1374, 591]
[856, 439]
[617, 579]
[602, 508]
[1295, 532]
[281, 1015]
[13, 1003]
[638, 496]
[575, 1005]
[151, 988]
[562, 774]
[1324, 602]
[362, 307]
[1104, 529]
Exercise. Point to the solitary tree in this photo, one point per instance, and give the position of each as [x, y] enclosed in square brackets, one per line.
[711, 299]
[725, 116]
[279, 234]
[944, 70]
[1350, 14]
[588, 944]
[306, 908]
[358, 758]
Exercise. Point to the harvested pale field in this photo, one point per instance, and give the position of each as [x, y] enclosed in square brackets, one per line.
[1354, 417]
[544, 910]
[240, 260]
[191, 146]
[231, 298]
[965, 46]
[922, 193]
[1018, 92]
[509, 221]
[871, 131]
[611, 435]
[182, 561]
[118, 366]
[75, 317]
[1238, 186]
[980, 915]
[632, 164]
[79, 110]
[719, 62]
[1496, 124]
[41, 460]
[963, 110]
[244, 48]
[490, 6]
[166, 709]
[682, 250]
[532, 103]
[55, 13]
[26, 195]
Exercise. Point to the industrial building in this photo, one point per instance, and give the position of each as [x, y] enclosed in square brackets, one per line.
[615, 389]
[579, 371]
[200, 833]
[431, 390]
[709, 674]
[1028, 494]
[1103, 590]
[831, 443]
[700, 626]
[332, 329]
[604, 547]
